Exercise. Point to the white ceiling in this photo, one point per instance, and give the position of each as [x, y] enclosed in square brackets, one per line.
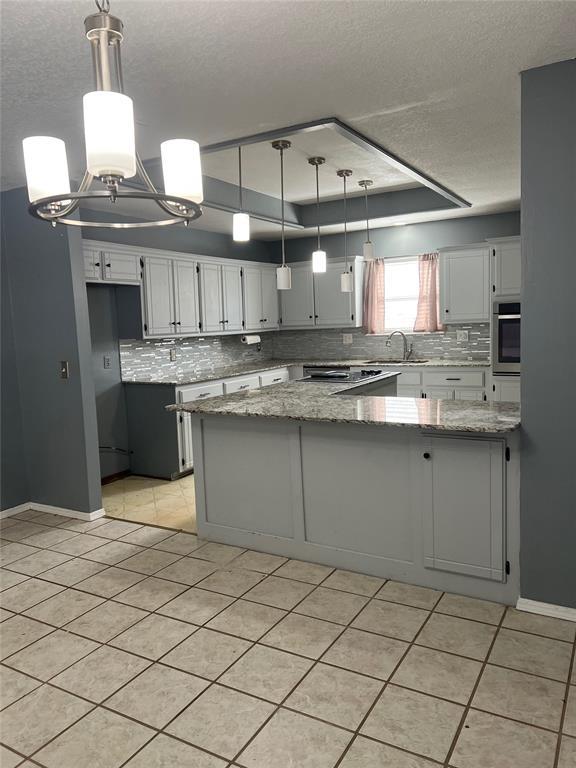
[435, 82]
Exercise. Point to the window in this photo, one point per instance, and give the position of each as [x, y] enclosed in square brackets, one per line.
[401, 288]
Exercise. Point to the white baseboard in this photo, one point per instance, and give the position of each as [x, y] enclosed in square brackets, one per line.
[88, 516]
[546, 609]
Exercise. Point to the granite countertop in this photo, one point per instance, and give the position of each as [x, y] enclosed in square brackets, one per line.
[191, 377]
[318, 402]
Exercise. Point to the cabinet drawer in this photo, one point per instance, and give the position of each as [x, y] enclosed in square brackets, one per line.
[469, 394]
[241, 385]
[453, 379]
[200, 391]
[274, 377]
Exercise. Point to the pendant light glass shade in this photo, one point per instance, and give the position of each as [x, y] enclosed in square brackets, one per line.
[181, 169]
[109, 134]
[346, 282]
[241, 227]
[368, 250]
[283, 278]
[319, 261]
[46, 167]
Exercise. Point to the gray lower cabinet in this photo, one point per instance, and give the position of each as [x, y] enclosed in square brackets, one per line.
[463, 506]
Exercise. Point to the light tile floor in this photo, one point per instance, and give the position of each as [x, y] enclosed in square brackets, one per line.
[131, 645]
[169, 503]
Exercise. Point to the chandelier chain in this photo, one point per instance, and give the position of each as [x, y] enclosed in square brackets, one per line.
[103, 5]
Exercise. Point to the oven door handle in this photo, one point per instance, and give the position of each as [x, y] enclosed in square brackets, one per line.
[508, 317]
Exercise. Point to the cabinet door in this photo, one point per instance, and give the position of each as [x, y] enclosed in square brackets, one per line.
[465, 278]
[185, 441]
[120, 267]
[186, 297]
[252, 288]
[92, 264]
[333, 308]
[270, 305]
[211, 298]
[507, 269]
[469, 394]
[507, 390]
[438, 393]
[158, 296]
[297, 304]
[232, 298]
[408, 391]
[464, 511]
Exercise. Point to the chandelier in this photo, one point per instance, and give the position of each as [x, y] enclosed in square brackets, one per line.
[111, 155]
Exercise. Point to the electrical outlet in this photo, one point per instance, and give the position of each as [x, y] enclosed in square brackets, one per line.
[346, 338]
[172, 355]
[107, 362]
[64, 369]
[462, 335]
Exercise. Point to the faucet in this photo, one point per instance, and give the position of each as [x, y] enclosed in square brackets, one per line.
[407, 350]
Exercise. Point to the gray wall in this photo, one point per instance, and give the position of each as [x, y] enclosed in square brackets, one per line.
[14, 488]
[548, 486]
[411, 239]
[178, 238]
[110, 399]
[49, 312]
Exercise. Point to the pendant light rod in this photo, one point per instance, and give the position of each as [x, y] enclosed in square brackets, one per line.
[365, 183]
[344, 174]
[240, 176]
[281, 145]
[317, 162]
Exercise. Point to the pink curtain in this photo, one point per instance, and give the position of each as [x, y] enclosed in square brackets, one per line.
[428, 312]
[373, 314]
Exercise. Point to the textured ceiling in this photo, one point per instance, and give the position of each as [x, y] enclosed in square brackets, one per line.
[434, 82]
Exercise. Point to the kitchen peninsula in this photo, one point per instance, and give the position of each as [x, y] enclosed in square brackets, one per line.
[419, 490]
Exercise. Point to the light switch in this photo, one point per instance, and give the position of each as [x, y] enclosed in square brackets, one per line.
[172, 355]
[106, 361]
[462, 335]
[347, 338]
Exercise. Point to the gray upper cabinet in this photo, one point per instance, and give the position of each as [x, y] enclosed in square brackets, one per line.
[221, 298]
[297, 304]
[462, 499]
[506, 266]
[111, 264]
[170, 297]
[260, 298]
[158, 297]
[333, 308]
[464, 284]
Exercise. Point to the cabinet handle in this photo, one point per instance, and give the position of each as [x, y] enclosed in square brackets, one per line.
[310, 316]
[108, 265]
[203, 394]
[278, 379]
[446, 310]
[316, 317]
[178, 323]
[97, 264]
[454, 378]
[244, 386]
[426, 455]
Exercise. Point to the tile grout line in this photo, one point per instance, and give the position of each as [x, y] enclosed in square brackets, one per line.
[561, 735]
[473, 693]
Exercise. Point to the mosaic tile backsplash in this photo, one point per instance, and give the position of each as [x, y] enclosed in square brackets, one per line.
[327, 344]
[214, 352]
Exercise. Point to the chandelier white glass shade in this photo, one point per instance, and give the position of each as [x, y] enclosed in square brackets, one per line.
[240, 220]
[319, 255]
[346, 280]
[110, 143]
[111, 155]
[46, 167]
[284, 272]
[368, 246]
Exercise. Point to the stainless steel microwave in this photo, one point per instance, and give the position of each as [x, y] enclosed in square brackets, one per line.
[506, 336]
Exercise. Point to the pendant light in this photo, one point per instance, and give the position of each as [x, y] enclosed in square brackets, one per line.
[368, 247]
[346, 282]
[318, 256]
[283, 273]
[111, 155]
[240, 220]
